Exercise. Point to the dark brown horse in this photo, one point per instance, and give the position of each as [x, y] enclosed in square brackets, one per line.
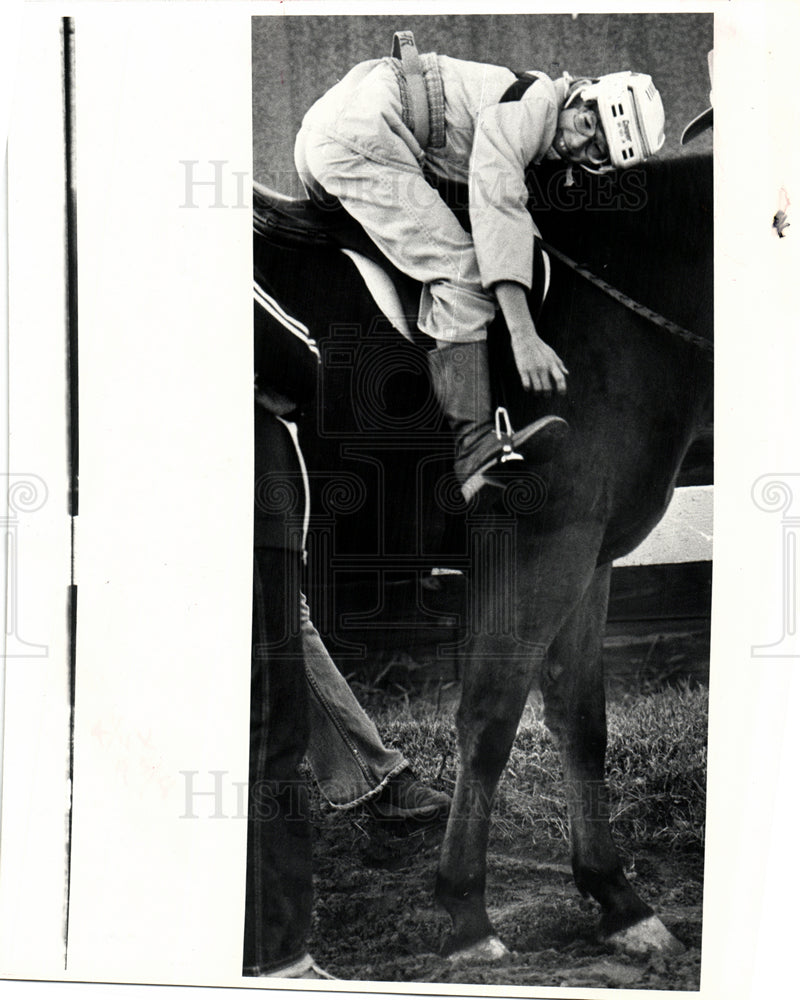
[540, 551]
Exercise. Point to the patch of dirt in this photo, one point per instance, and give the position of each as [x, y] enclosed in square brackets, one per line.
[375, 919]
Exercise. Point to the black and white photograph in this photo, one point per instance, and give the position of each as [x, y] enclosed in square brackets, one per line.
[475, 474]
[400, 514]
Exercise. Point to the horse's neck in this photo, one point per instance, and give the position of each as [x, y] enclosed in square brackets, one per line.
[648, 232]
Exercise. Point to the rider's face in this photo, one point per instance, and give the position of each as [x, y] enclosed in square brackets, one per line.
[579, 137]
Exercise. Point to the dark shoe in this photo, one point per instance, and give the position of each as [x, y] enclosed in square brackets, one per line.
[484, 438]
[405, 805]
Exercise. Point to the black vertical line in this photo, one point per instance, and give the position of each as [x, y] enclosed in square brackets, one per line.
[71, 250]
[72, 262]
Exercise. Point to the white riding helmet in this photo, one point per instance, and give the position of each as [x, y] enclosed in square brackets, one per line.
[631, 114]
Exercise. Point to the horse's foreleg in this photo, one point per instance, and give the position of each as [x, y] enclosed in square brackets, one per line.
[493, 697]
[575, 712]
[522, 596]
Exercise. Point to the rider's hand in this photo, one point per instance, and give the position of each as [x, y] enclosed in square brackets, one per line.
[539, 367]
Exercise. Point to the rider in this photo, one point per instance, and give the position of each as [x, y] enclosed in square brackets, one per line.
[367, 141]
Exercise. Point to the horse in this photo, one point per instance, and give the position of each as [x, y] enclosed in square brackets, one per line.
[629, 269]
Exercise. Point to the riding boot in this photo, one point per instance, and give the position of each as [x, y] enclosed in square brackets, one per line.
[484, 439]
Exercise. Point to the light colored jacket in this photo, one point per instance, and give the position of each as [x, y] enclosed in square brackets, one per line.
[486, 144]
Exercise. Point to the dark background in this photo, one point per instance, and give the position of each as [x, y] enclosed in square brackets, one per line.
[296, 59]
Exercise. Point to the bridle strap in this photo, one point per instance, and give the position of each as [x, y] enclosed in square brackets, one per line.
[701, 343]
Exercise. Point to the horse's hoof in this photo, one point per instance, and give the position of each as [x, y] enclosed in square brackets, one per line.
[488, 949]
[647, 937]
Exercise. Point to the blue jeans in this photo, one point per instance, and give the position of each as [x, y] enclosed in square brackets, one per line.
[346, 754]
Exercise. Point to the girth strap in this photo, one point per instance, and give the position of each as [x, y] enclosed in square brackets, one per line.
[405, 49]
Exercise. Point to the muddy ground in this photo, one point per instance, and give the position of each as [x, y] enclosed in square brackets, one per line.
[375, 918]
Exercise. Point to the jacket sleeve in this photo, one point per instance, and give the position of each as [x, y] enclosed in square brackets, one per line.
[508, 137]
[286, 358]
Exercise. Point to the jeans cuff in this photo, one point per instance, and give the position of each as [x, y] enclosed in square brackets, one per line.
[372, 791]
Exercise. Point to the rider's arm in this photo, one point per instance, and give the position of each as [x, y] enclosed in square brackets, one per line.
[508, 137]
[540, 368]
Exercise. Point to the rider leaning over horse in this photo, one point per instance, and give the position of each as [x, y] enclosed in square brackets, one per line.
[367, 143]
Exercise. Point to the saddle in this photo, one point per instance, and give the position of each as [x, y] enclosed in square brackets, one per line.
[294, 223]
[300, 222]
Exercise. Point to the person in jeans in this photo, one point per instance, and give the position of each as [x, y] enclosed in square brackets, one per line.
[299, 702]
[350, 763]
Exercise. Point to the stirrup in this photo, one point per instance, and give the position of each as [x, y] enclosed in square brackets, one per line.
[505, 436]
[548, 433]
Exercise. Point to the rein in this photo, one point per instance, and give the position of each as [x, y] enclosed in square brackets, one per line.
[701, 343]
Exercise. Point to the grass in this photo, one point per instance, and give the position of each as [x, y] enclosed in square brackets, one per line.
[655, 766]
